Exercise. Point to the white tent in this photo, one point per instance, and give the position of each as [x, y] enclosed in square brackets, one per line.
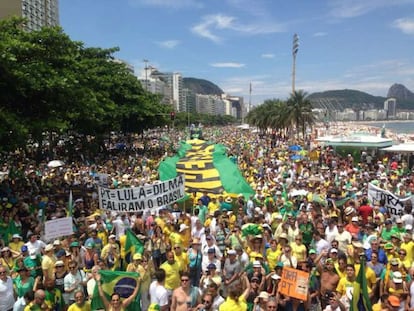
[408, 147]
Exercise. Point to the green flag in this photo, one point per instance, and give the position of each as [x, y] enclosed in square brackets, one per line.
[360, 298]
[133, 245]
[119, 282]
[206, 167]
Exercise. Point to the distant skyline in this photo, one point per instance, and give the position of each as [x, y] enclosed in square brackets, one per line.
[365, 45]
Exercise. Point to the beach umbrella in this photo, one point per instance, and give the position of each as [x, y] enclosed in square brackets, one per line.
[55, 163]
[295, 148]
[296, 157]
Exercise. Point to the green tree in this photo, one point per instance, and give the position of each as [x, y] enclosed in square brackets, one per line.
[299, 112]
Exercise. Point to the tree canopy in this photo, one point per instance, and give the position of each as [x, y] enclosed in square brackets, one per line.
[49, 83]
[295, 113]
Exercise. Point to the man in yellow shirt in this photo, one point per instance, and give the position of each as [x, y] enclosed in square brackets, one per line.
[181, 257]
[346, 282]
[172, 272]
[48, 263]
[80, 304]
[213, 205]
[408, 246]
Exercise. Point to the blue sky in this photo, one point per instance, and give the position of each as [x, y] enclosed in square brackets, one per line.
[357, 44]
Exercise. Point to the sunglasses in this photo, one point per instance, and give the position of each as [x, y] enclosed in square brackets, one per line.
[206, 301]
[185, 280]
[3, 272]
[59, 266]
[72, 268]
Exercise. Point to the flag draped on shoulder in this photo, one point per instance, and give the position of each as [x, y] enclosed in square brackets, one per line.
[122, 283]
[133, 245]
[70, 204]
[360, 298]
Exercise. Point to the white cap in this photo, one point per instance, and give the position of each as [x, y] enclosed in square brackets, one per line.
[231, 252]
[257, 264]
[183, 227]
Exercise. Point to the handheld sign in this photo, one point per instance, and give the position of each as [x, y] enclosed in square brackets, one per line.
[294, 283]
[58, 227]
[393, 203]
[144, 198]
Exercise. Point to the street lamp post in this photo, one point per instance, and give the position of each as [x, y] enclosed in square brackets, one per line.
[146, 73]
[295, 48]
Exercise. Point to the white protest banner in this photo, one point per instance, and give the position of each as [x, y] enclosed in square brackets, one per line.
[142, 198]
[58, 228]
[393, 203]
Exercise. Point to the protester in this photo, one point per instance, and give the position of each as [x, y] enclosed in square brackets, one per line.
[315, 213]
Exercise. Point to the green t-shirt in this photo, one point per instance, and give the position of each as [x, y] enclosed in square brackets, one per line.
[31, 264]
[23, 288]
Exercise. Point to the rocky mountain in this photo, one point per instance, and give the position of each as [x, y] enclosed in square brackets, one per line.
[399, 91]
[342, 99]
[201, 86]
[357, 100]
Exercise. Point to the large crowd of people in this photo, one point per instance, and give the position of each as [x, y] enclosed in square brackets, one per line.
[309, 211]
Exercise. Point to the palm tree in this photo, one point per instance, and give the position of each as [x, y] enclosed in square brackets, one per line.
[299, 112]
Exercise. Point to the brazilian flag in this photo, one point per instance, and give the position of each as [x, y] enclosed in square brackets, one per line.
[360, 298]
[207, 168]
[119, 282]
[133, 245]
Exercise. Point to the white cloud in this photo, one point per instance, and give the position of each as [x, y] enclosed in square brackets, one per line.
[220, 22]
[320, 34]
[227, 65]
[406, 25]
[268, 55]
[168, 4]
[355, 8]
[217, 21]
[168, 44]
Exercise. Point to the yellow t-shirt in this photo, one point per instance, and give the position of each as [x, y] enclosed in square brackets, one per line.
[340, 274]
[48, 264]
[272, 257]
[233, 305]
[299, 251]
[172, 275]
[86, 307]
[16, 246]
[369, 274]
[212, 207]
[182, 260]
[409, 249]
[175, 238]
[343, 285]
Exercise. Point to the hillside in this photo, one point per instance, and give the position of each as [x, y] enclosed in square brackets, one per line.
[342, 99]
[400, 92]
[201, 86]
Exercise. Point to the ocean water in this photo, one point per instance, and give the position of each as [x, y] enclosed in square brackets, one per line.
[396, 127]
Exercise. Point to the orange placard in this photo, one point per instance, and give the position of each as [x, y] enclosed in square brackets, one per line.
[294, 283]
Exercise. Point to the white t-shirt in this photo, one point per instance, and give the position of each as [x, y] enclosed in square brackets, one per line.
[6, 294]
[158, 294]
[71, 280]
